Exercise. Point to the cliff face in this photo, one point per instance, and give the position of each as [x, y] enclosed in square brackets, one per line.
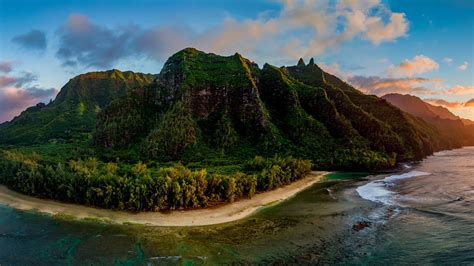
[209, 87]
[290, 109]
[210, 84]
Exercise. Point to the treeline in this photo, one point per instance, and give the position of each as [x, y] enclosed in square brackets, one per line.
[139, 187]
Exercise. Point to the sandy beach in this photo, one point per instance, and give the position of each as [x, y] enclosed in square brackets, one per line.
[197, 217]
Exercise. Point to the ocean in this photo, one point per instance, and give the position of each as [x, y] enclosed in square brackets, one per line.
[423, 214]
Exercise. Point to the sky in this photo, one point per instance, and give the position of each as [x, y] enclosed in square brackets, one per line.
[419, 47]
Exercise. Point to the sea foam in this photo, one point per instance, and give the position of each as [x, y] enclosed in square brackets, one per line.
[378, 190]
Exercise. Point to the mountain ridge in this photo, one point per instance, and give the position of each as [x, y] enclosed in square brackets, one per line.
[73, 110]
[450, 125]
[227, 104]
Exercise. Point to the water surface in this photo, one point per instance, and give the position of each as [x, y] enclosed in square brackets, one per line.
[421, 215]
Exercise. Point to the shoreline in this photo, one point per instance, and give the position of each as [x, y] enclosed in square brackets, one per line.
[219, 214]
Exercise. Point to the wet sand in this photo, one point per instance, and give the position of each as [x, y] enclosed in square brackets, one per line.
[198, 217]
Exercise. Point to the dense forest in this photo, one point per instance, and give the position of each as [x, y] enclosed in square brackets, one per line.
[140, 188]
[207, 128]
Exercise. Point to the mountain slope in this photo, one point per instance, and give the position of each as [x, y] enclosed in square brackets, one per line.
[206, 107]
[74, 110]
[210, 88]
[385, 126]
[418, 107]
[298, 110]
[450, 125]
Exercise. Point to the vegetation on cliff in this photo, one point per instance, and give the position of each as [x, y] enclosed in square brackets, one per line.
[72, 115]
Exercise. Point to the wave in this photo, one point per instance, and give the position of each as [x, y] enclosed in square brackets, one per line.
[378, 190]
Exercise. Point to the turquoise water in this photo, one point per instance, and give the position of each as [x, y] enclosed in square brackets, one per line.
[425, 219]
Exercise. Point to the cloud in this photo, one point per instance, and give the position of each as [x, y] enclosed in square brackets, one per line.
[378, 31]
[463, 66]
[82, 42]
[161, 42]
[335, 69]
[331, 25]
[16, 81]
[380, 86]
[448, 60]
[301, 28]
[14, 100]
[17, 93]
[461, 90]
[35, 39]
[418, 65]
[441, 102]
[469, 103]
[6, 66]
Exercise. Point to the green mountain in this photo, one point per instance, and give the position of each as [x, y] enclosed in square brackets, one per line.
[203, 103]
[208, 87]
[388, 128]
[453, 128]
[206, 129]
[73, 113]
[205, 106]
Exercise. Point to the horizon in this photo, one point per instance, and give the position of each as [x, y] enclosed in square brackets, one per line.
[379, 47]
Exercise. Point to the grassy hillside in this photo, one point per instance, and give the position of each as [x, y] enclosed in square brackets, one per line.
[72, 114]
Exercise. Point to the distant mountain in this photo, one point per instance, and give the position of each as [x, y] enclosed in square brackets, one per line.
[467, 122]
[73, 112]
[418, 107]
[452, 126]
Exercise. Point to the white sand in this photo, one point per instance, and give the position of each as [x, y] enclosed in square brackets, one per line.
[196, 217]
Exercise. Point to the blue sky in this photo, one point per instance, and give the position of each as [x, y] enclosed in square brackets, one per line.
[420, 47]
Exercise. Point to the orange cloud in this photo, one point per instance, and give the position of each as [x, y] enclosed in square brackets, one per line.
[381, 86]
[469, 103]
[441, 102]
[461, 90]
[418, 65]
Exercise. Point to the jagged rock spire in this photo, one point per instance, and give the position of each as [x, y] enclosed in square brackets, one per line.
[311, 61]
[301, 62]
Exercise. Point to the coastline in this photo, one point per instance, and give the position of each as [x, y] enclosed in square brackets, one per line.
[197, 217]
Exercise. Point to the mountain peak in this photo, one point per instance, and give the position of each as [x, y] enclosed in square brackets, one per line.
[301, 62]
[311, 62]
[189, 50]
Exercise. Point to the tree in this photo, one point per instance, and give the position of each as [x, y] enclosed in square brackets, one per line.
[176, 132]
[225, 134]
